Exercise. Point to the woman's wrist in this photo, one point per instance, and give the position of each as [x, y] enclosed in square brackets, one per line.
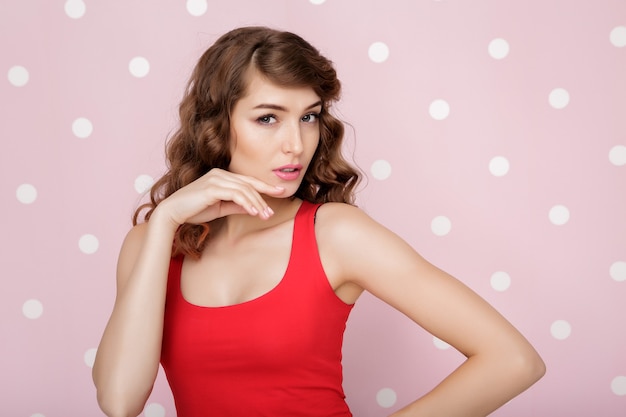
[162, 221]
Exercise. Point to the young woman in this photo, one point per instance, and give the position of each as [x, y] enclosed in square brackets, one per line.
[241, 278]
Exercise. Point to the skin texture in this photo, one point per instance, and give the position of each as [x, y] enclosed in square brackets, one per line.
[251, 213]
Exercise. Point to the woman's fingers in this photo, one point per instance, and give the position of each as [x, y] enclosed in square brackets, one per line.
[262, 187]
[220, 193]
[228, 207]
[258, 185]
[251, 189]
[224, 187]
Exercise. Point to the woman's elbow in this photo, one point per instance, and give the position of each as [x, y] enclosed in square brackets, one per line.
[530, 368]
[117, 401]
[118, 406]
[538, 368]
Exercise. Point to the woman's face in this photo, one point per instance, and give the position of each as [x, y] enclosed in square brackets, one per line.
[274, 132]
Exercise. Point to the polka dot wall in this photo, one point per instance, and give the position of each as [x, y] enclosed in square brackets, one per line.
[492, 133]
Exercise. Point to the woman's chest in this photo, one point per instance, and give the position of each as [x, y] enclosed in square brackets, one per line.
[230, 274]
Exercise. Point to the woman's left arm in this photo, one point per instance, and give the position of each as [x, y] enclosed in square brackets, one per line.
[500, 363]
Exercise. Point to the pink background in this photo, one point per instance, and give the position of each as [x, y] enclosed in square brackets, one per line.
[435, 90]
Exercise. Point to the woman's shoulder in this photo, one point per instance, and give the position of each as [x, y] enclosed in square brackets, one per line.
[353, 246]
[338, 212]
[131, 245]
[343, 222]
[136, 234]
[350, 230]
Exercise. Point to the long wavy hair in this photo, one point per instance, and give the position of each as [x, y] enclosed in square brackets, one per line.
[218, 81]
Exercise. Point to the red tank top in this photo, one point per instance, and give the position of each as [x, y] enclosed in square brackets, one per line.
[276, 355]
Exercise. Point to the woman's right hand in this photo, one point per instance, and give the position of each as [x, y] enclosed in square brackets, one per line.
[216, 194]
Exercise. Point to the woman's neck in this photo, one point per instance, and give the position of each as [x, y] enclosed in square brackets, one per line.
[237, 226]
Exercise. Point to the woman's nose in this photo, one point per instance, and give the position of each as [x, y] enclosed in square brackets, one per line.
[292, 141]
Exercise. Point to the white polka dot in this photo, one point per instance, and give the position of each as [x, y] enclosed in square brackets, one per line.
[617, 155]
[75, 8]
[440, 344]
[143, 183]
[381, 169]
[386, 397]
[499, 166]
[197, 7]
[32, 309]
[618, 271]
[559, 98]
[82, 128]
[88, 244]
[18, 76]
[618, 385]
[559, 215]
[618, 36]
[500, 281]
[317, 2]
[139, 67]
[154, 410]
[439, 109]
[441, 225]
[26, 193]
[90, 357]
[378, 52]
[560, 329]
[37, 415]
[498, 48]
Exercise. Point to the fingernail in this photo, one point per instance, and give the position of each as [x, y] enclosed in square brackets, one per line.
[254, 211]
[269, 212]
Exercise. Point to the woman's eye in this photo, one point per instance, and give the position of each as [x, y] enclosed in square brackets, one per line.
[311, 118]
[267, 119]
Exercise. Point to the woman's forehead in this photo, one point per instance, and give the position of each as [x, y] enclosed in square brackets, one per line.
[261, 90]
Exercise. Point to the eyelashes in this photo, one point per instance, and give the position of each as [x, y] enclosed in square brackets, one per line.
[266, 119]
[270, 119]
[308, 117]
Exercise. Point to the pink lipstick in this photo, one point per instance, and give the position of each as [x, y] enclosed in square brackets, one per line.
[288, 172]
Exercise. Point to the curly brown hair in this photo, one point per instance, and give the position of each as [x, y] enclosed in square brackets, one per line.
[218, 81]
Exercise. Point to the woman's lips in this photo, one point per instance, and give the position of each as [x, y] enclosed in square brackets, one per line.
[288, 172]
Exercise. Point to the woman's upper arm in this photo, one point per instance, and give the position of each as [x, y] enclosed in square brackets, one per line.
[129, 252]
[369, 255]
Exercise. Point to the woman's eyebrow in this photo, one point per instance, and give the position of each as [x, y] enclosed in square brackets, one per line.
[281, 108]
